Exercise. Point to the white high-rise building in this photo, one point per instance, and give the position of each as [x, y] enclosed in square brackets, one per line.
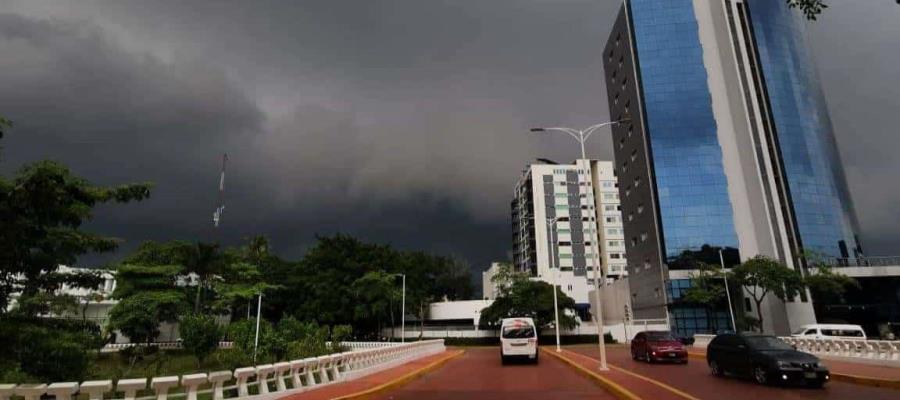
[557, 228]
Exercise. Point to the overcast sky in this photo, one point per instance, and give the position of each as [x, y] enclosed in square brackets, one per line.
[401, 122]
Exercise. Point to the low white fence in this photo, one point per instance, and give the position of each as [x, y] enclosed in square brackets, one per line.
[114, 347]
[856, 348]
[883, 350]
[269, 380]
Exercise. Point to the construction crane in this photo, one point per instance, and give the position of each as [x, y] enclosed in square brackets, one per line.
[220, 209]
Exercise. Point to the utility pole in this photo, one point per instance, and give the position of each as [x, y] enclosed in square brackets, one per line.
[553, 245]
[727, 291]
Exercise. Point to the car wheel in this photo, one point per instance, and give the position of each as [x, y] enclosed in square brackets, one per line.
[536, 357]
[634, 355]
[760, 375]
[648, 358]
[715, 368]
[503, 360]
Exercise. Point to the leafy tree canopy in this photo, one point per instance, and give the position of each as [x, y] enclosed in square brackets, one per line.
[760, 276]
[811, 9]
[42, 209]
[530, 299]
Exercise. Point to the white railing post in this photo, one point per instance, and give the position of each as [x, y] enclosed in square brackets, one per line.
[191, 382]
[95, 389]
[130, 387]
[280, 369]
[262, 377]
[218, 379]
[162, 384]
[242, 375]
[296, 368]
[323, 368]
[63, 390]
[31, 391]
[309, 366]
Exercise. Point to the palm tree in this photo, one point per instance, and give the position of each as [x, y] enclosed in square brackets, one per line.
[204, 260]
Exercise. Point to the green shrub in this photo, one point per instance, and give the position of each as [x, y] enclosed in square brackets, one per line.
[200, 335]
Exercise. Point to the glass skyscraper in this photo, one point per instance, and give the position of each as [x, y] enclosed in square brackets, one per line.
[729, 147]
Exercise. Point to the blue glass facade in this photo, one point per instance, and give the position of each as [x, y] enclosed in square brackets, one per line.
[821, 202]
[692, 192]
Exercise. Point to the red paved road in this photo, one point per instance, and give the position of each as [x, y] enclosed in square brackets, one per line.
[696, 380]
[478, 374]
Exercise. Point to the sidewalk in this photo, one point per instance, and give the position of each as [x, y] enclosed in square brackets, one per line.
[372, 381]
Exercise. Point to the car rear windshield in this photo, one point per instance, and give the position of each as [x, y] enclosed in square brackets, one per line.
[518, 332]
[767, 343]
[659, 337]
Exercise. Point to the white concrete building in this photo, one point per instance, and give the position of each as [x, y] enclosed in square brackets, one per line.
[564, 222]
[489, 289]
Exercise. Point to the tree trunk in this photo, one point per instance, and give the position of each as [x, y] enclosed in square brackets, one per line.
[197, 298]
[759, 314]
[421, 320]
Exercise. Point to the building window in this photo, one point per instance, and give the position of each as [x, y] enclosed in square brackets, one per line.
[628, 191]
[633, 154]
[644, 237]
[609, 208]
[637, 181]
[565, 243]
[631, 216]
[656, 293]
[646, 263]
[562, 219]
[633, 241]
[630, 130]
[640, 208]
[614, 255]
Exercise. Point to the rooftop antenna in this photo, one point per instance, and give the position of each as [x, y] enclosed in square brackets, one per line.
[217, 215]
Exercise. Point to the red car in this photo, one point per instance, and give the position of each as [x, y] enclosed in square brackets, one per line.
[652, 346]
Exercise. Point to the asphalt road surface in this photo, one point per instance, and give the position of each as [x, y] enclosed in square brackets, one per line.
[696, 380]
[478, 374]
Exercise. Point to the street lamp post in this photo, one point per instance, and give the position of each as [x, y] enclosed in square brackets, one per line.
[581, 136]
[727, 291]
[403, 310]
[553, 245]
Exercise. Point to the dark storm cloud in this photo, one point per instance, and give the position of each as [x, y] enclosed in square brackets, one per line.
[399, 121]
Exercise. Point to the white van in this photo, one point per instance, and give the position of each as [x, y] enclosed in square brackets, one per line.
[518, 338]
[830, 331]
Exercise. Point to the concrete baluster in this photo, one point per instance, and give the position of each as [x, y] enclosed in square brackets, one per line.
[31, 391]
[6, 390]
[324, 364]
[280, 369]
[242, 375]
[95, 389]
[218, 379]
[309, 366]
[191, 382]
[162, 384]
[262, 377]
[130, 387]
[296, 370]
[336, 361]
[62, 390]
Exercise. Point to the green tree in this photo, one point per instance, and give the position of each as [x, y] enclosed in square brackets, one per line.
[375, 293]
[760, 276]
[43, 208]
[200, 335]
[205, 261]
[811, 9]
[4, 124]
[148, 296]
[708, 290]
[530, 299]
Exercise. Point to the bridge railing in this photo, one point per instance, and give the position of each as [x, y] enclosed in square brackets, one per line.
[884, 350]
[268, 381]
[113, 347]
[887, 350]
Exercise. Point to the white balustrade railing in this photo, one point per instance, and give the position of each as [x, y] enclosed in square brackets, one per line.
[269, 380]
[887, 350]
[112, 347]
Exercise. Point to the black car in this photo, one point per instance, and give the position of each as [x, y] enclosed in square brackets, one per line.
[766, 359]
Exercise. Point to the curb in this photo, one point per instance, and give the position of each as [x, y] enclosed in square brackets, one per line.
[393, 384]
[613, 388]
[866, 381]
[854, 379]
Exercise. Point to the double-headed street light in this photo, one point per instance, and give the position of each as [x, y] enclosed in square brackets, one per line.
[581, 136]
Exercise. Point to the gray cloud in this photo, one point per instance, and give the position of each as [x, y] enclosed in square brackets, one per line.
[399, 121]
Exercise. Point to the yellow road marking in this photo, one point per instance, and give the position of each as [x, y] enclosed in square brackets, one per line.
[613, 388]
[393, 384]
